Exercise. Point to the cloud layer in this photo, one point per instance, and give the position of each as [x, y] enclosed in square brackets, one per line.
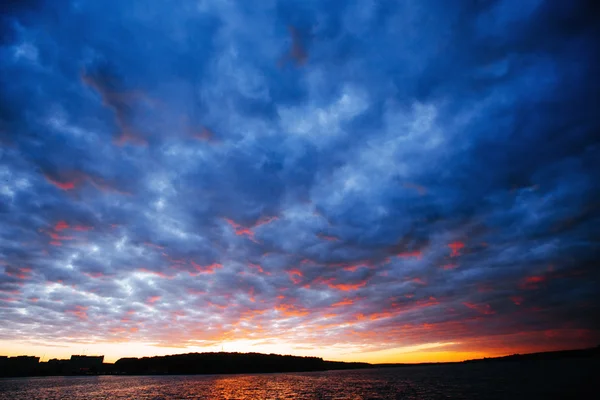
[362, 174]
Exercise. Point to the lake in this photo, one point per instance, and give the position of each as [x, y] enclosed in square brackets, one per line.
[560, 379]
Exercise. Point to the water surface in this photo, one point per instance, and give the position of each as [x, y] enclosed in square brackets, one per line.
[531, 380]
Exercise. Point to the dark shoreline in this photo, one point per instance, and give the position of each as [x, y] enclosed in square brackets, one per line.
[234, 363]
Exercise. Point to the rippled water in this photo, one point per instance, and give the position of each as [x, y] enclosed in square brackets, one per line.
[556, 379]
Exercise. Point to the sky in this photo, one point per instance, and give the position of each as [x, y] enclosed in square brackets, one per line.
[381, 181]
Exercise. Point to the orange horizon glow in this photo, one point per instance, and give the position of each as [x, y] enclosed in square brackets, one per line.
[424, 353]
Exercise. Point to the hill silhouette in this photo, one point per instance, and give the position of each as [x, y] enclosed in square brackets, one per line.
[227, 363]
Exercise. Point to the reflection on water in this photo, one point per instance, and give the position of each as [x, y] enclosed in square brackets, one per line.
[555, 379]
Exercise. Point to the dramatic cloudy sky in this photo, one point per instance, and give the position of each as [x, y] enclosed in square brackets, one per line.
[359, 180]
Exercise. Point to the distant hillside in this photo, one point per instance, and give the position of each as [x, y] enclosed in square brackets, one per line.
[227, 363]
[593, 352]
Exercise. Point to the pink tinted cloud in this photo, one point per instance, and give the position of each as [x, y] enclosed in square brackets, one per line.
[480, 308]
[118, 102]
[455, 247]
[74, 179]
[152, 299]
[61, 225]
[298, 52]
[353, 268]
[258, 268]
[533, 281]
[63, 185]
[157, 273]
[82, 228]
[241, 230]
[410, 254]
[295, 275]
[94, 275]
[19, 273]
[105, 186]
[204, 134]
[517, 300]
[329, 238]
[79, 311]
[420, 189]
[265, 221]
[208, 269]
[56, 236]
[248, 231]
[153, 245]
[128, 137]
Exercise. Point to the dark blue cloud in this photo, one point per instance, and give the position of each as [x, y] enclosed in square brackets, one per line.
[422, 170]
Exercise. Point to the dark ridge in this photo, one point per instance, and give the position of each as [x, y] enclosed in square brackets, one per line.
[227, 363]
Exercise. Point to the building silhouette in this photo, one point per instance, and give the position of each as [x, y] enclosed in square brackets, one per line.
[17, 366]
[85, 364]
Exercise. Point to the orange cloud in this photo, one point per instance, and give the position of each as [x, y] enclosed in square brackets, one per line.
[353, 268]
[346, 287]
[381, 315]
[345, 302]
[290, 310]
